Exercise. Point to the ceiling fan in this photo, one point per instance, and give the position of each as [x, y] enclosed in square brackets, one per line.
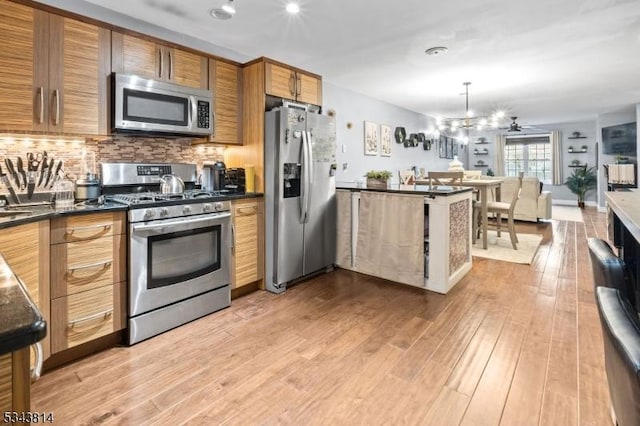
[515, 126]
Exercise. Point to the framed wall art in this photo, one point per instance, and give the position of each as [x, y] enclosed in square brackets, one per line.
[385, 140]
[442, 147]
[370, 138]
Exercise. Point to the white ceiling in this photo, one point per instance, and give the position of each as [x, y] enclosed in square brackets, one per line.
[546, 61]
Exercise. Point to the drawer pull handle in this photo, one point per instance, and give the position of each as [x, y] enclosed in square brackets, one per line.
[37, 368]
[85, 228]
[104, 315]
[104, 265]
[247, 210]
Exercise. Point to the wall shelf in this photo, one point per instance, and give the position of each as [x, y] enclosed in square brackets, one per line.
[577, 137]
[582, 151]
[480, 153]
[482, 143]
[577, 165]
[480, 165]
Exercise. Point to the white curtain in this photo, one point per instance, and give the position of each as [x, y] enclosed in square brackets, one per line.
[556, 158]
[391, 237]
[501, 141]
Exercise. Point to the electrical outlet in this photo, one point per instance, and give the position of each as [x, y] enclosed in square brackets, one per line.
[344, 148]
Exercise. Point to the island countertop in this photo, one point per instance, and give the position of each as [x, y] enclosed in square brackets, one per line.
[21, 323]
[427, 190]
[625, 206]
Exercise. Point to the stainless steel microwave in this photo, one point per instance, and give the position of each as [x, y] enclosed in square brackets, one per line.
[152, 106]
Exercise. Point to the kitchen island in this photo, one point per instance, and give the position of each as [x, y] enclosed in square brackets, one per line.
[21, 325]
[412, 234]
[623, 229]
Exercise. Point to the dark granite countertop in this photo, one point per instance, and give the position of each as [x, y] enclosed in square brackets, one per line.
[408, 189]
[21, 214]
[21, 324]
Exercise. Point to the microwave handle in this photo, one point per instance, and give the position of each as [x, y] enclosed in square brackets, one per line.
[192, 111]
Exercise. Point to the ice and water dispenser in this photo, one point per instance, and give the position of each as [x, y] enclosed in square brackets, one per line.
[291, 179]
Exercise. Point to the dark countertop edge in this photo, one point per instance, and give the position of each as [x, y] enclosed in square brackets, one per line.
[632, 226]
[36, 217]
[426, 192]
[23, 336]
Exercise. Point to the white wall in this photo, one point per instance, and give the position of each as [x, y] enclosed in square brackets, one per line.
[355, 108]
[560, 193]
[626, 115]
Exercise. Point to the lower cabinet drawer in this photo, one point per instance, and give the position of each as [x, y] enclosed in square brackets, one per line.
[83, 265]
[82, 317]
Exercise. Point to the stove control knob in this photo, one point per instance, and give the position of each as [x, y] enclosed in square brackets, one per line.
[186, 209]
[207, 207]
[149, 214]
[164, 212]
[219, 206]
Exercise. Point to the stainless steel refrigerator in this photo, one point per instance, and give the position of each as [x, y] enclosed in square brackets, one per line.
[300, 167]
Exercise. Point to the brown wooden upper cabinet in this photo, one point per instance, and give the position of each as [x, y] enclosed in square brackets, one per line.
[145, 58]
[288, 83]
[225, 81]
[53, 72]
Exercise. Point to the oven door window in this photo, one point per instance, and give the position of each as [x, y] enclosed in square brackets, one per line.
[180, 256]
[147, 107]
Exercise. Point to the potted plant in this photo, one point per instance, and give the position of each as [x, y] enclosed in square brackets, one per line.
[584, 148]
[377, 178]
[581, 181]
[570, 148]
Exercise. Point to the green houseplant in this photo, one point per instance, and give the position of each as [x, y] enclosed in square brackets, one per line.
[581, 181]
[377, 178]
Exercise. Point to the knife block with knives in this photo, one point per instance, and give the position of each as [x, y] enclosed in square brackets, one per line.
[41, 172]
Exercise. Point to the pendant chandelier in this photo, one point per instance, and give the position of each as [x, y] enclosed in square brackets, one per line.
[462, 125]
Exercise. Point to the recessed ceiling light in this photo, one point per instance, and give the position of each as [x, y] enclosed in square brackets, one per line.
[438, 50]
[226, 11]
[293, 8]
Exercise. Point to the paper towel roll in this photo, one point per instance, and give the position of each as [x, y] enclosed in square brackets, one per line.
[250, 178]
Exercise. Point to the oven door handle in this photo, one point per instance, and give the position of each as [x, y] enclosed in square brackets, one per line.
[175, 224]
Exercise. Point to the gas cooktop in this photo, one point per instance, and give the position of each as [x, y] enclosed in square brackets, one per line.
[147, 198]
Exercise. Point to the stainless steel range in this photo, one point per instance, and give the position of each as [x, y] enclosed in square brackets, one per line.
[179, 247]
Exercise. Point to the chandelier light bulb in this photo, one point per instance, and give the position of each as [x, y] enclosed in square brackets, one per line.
[500, 114]
[229, 8]
[469, 113]
[455, 123]
[293, 8]
[441, 127]
[483, 121]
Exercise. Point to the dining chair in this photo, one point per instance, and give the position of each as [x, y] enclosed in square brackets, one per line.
[499, 208]
[445, 178]
[407, 177]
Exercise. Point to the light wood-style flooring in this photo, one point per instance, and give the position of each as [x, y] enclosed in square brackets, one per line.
[509, 345]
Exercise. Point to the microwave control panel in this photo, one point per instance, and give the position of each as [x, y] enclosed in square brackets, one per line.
[203, 115]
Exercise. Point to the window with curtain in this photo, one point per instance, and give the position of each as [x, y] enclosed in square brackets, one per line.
[531, 154]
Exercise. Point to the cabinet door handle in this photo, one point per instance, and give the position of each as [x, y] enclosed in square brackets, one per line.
[247, 210]
[170, 63]
[233, 239]
[159, 62]
[104, 315]
[37, 368]
[104, 265]
[41, 110]
[292, 84]
[56, 95]
[86, 228]
[298, 86]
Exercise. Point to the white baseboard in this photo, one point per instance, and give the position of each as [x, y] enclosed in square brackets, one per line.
[573, 203]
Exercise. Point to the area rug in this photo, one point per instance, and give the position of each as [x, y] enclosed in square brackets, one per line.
[501, 248]
[570, 213]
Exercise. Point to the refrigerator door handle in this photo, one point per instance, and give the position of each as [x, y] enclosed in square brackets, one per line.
[309, 179]
[304, 178]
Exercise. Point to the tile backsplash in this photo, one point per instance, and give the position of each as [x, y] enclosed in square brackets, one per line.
[114, 149]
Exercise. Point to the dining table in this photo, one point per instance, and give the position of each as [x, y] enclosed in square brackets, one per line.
[483, 185]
